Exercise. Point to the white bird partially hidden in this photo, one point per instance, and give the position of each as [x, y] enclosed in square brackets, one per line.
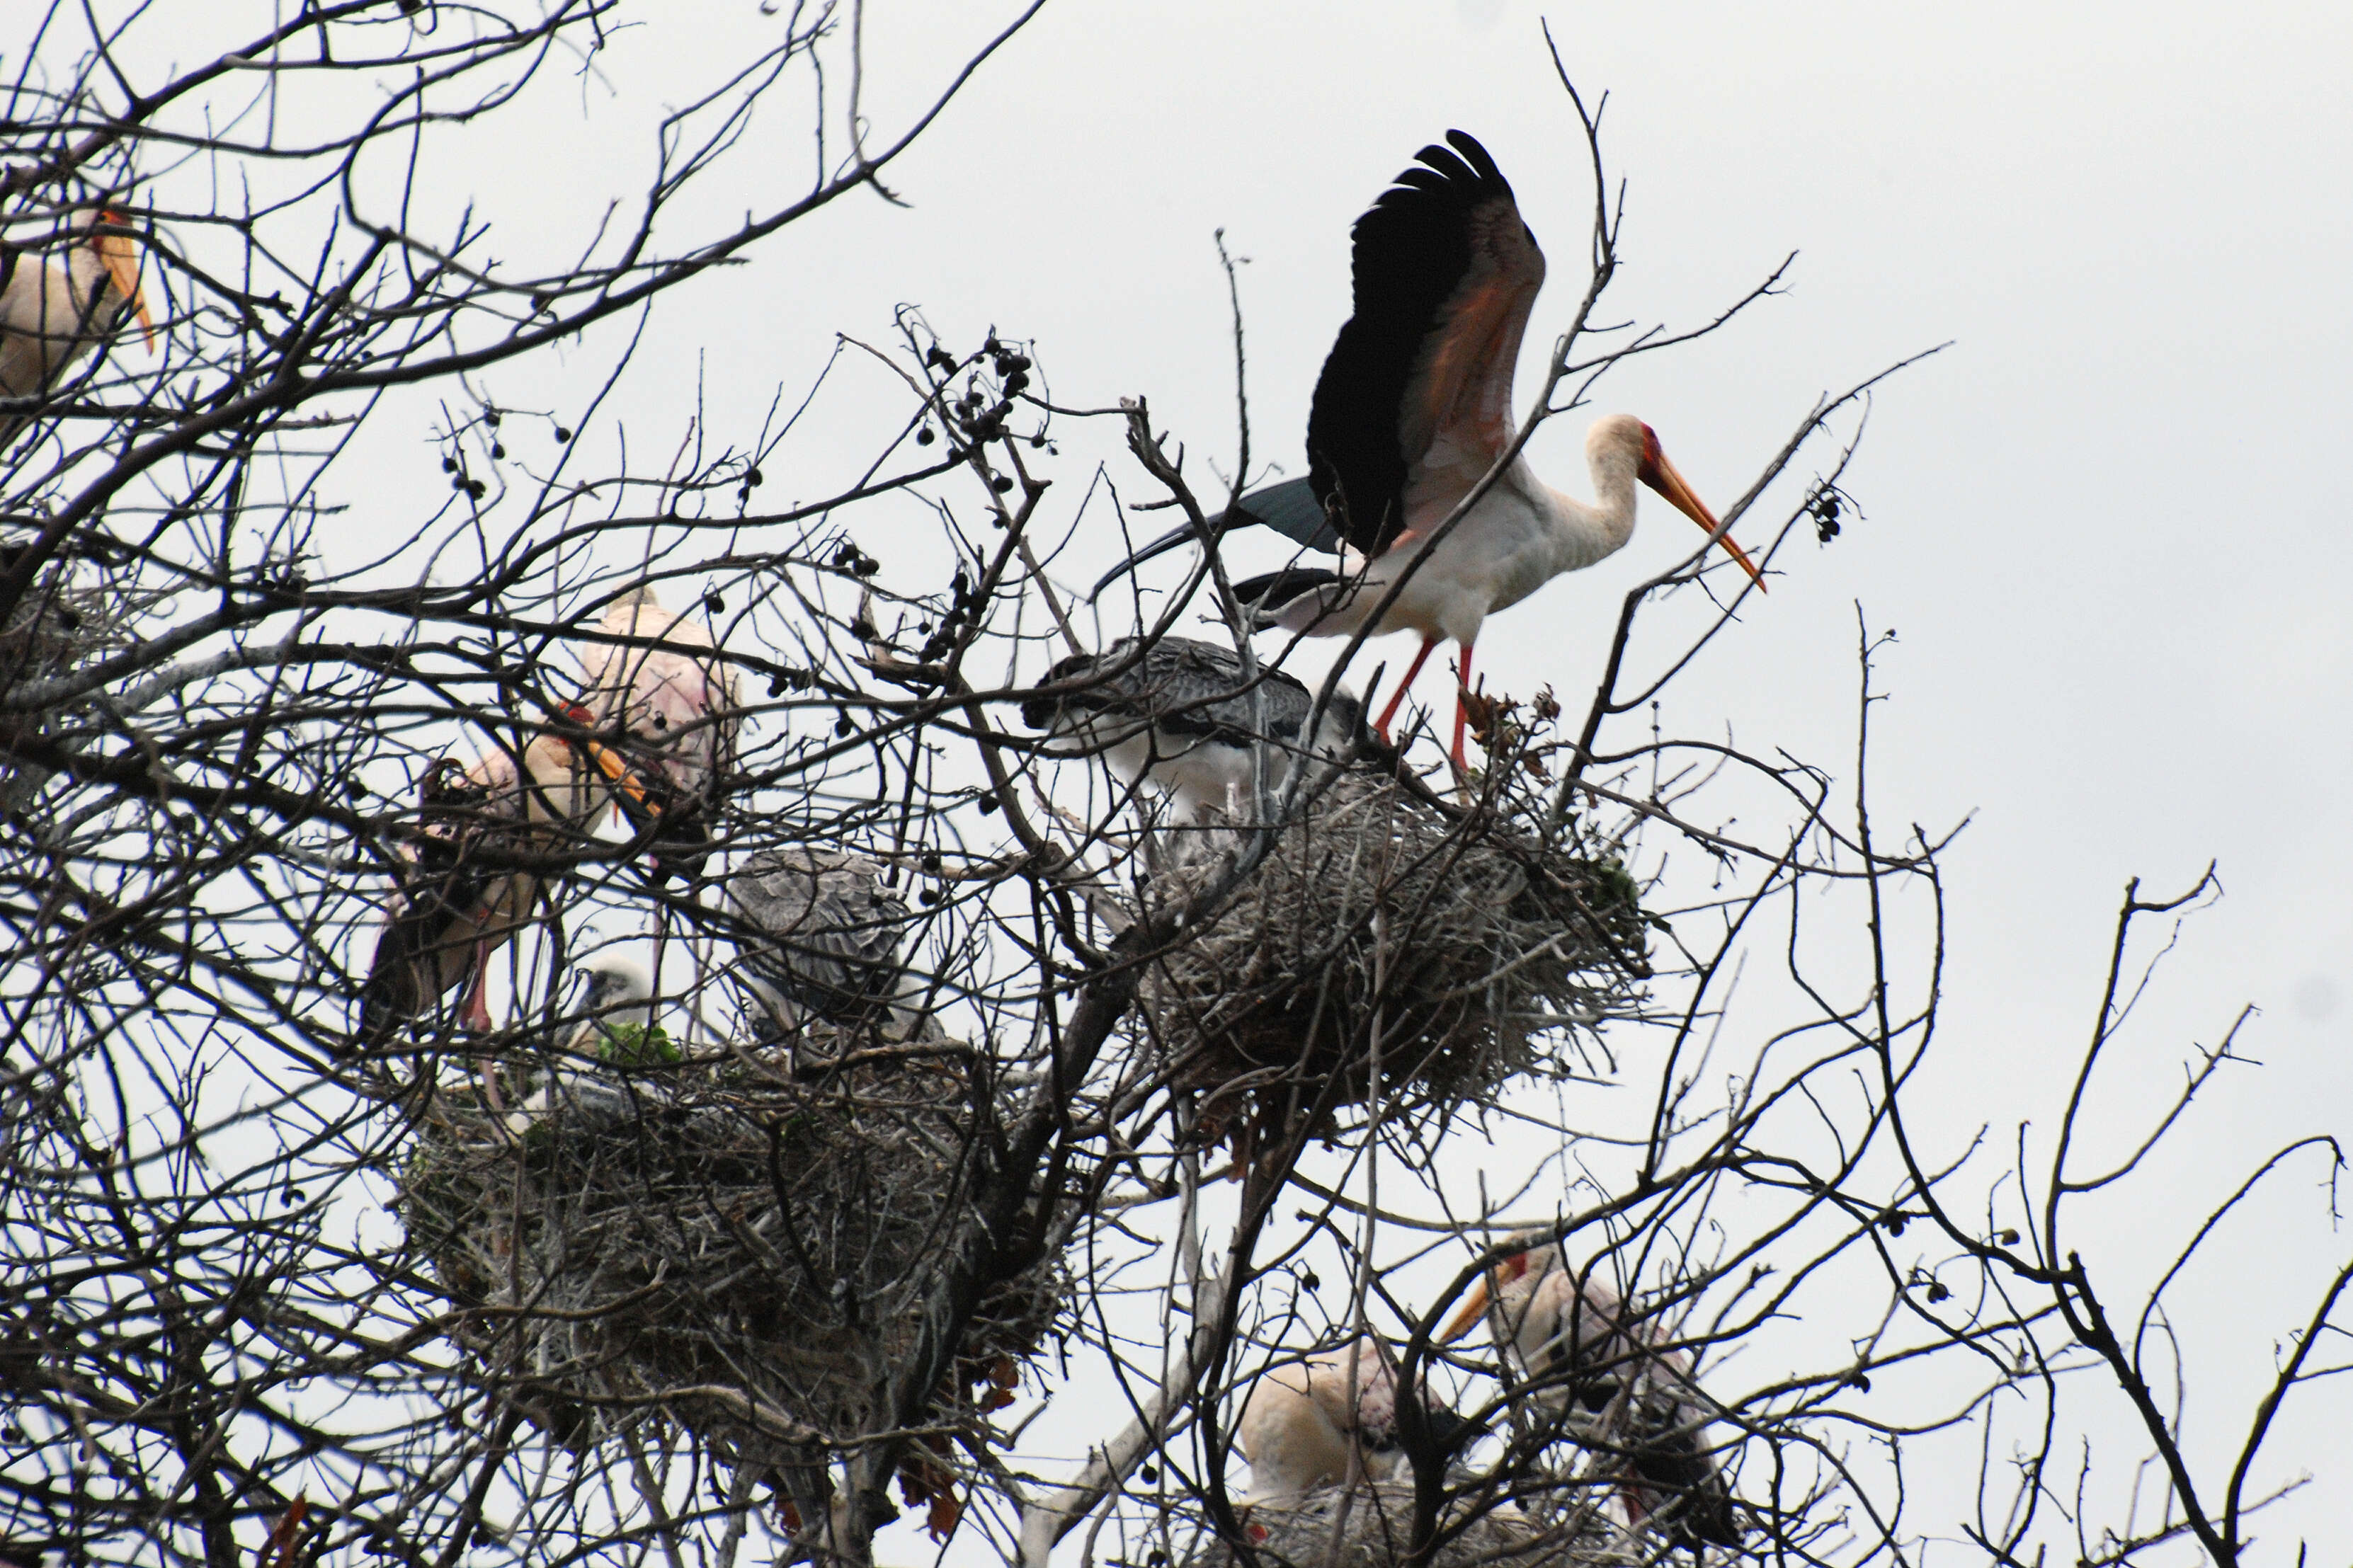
[55, 309]
[671, 694]
[1412, 409]
[1605, 1374]
[1306, 1421]
[619, 999]
[1182, 715]
[620, 996]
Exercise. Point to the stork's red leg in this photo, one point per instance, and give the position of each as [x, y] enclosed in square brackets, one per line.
[475, 1012]
[1381, 726]
[1462, 684]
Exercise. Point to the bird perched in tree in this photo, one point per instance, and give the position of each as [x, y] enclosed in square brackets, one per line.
[822, 939]
[1183, 715]
[1300, 1426]
[1606, 1373]
[54, 309]
[671, 695]
[1413, 409]
[471, 877]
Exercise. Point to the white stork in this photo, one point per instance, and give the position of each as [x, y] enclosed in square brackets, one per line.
[455, 909]
[669, 691]
[1299, 1427]
[823, 938]
[1180, 715]
[1591, 1361]
[54, 311]
[1412, 409]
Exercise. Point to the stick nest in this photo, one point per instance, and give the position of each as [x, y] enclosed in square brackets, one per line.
[1298, 1532]
[742, 1247]
[1464, 941]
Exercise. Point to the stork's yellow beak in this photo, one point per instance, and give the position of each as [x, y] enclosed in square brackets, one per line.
[609, 763]
[1660, 476]
[1474, 1306]
[119, 254]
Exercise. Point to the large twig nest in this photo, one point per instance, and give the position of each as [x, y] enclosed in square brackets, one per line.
[1377, 1532]
[1376, 927]
[736, 1246]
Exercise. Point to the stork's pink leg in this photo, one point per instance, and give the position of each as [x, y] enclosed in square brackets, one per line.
[475, 1012]
[1462, 684]
[1381, 725]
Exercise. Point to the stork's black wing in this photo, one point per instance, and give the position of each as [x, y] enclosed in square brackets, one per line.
[1445, 275]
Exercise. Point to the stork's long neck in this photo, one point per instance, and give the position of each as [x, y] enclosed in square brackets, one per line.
[1586, 531]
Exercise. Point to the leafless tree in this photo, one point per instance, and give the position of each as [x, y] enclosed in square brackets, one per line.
[1095, 1119]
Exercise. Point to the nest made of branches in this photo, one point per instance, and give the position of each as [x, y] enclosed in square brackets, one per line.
[742, 1247]
[1377, 1532]
[1376, 924]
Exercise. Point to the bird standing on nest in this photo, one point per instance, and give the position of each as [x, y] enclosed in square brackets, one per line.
[469, 882]
[54, 311]
[1592, 1363]
[1182, 715]
[1301, 1428]
[1413, 409]
[670, 692]
[824, 939]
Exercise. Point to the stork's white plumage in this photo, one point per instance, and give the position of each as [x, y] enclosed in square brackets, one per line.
[671, 692]
[460, 899]
[1300, 1425]
[1607, 1374]
[620, 994]
[54, 309]
[1413, 409]
[1182, 714]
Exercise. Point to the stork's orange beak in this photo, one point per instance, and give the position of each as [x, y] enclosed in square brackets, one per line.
[119, 253]
[1660, 476]
[609, 763]
[1474, 1306]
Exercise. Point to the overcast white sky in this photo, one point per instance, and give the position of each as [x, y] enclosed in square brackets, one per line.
[2105, 524]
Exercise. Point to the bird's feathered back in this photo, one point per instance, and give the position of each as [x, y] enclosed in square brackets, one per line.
[826, 934]
[1186, 689]
[1419, 252]
[680, 706]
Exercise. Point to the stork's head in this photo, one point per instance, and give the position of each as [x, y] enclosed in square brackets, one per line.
[116, 245]
[616, 979]
[1621, 436]
[1535, 1253]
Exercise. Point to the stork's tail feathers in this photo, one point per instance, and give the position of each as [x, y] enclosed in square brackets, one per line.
[1281, 598]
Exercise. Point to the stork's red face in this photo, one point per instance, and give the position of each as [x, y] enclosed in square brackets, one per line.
[1660, 475]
